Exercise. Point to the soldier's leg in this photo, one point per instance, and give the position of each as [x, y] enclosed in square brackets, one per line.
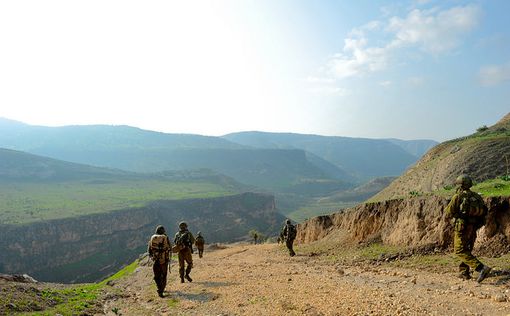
[462, 248]
[181, 265]
[288, 243]
[189, 260]
[200, 252]
[156, 268]
[164, 271]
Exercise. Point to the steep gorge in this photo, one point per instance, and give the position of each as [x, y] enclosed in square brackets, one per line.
[413, 223]
[90, 247]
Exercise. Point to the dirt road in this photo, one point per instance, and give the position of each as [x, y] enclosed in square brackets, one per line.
[264, 280]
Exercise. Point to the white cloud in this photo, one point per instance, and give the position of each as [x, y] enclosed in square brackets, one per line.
[494, 74]
[385, 83]
[432, 31]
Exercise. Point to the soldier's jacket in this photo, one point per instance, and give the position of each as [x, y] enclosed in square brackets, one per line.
[184, 239]
[289, 232]
[159, 248]
[199, 241]
[467, 207]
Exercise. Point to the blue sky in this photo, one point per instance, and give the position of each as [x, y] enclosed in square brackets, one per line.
[408, 69]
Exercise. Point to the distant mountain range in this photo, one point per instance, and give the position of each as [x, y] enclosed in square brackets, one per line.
[362, 158]
[298, 168]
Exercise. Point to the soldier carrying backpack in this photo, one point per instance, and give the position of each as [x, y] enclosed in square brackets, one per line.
[468, 211]
[184, 241]
[200, 242]
[288, 234]
[159, 251]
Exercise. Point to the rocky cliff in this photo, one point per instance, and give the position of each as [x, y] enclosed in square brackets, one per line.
[415, 222]
[90, 247]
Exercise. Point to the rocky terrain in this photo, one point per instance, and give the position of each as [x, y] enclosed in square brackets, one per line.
[264, 280]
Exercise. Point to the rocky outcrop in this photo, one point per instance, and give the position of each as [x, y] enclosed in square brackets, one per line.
[412, 223]
[90, 247]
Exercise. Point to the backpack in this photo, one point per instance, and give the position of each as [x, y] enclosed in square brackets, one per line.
[471, 205]
[184, 240]
[159, 246]
[291, 232]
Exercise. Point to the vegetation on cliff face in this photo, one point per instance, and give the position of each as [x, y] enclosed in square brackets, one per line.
[53, 299]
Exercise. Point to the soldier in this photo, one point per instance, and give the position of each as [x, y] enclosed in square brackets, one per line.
[469, 212]
[288, 234]
[184, 241]
[159, 251]
[199, 242]
[255, 237]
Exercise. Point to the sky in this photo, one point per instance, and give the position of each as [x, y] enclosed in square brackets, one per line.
[416, 69]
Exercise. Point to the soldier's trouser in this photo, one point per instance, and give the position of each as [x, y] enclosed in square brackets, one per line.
[160, 272]
[463, 240]
[200, 251]
[185, 256]
[289, 245]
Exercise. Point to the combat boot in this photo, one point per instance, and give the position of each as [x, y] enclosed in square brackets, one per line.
[465, 275]
[188, 278]
[483, 273]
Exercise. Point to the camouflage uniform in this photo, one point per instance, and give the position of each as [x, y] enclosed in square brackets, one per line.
[466, 223]
[289, 234]
[159, 250]
[199, 242]
[184, 241]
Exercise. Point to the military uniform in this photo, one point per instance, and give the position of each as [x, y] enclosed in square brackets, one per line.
[159, 250]
[184, 241]
[200, 242]
[468, 211]
[289, 234]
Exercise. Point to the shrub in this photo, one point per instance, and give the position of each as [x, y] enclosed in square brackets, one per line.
[482, 128]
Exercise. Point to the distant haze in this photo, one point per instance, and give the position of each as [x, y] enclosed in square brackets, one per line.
[410, 69]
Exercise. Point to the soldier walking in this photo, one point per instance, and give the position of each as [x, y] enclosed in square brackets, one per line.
[184, 241]
[200, 242]
[468, 211]
[288, 234]
[159, 251]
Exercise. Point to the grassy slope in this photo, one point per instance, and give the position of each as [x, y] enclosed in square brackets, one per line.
[493, 187]
[30, 202]
[484, 155]
[71, 300]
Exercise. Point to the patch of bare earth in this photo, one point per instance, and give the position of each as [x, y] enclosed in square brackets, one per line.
[264, 280]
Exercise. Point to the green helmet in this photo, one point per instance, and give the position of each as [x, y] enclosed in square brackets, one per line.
[160, 230]
[183, 225]
[464, 181]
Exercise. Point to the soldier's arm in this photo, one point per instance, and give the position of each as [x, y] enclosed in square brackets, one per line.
[191, 238]
[149, 248]
[453, 207]
[169, 244]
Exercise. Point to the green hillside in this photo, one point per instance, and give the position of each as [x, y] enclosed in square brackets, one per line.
[35, 188]
[484, 155]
